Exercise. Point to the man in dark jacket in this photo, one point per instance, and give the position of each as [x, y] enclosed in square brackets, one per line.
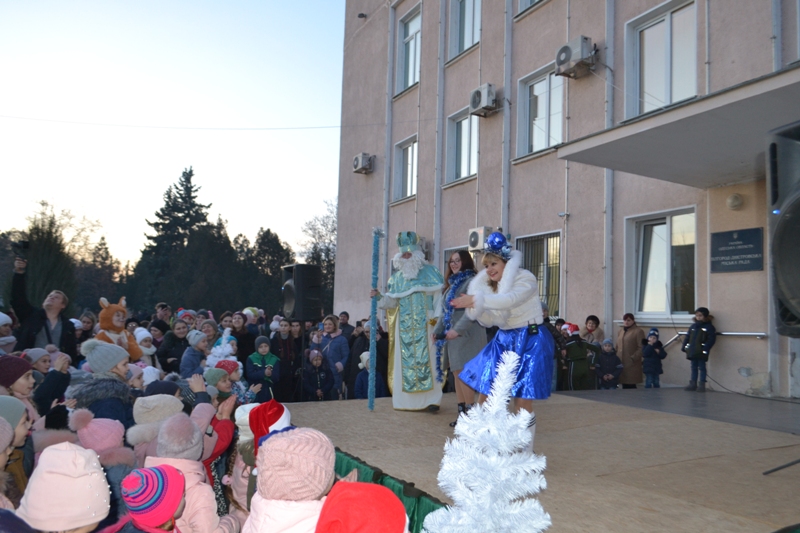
[344, 325]
[41, 327]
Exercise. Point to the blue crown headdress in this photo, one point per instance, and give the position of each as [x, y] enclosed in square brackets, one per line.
[408, 241]
[497, 244]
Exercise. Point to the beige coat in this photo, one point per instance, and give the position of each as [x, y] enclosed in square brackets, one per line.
[629, 351]
[598, 335]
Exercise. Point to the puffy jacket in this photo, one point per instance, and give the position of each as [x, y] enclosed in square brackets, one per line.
[254, 369]
[699, 339]
[651, 358]
[190, 363]
[276, 516]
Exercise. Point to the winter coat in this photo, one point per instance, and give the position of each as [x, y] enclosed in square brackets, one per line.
[245, 344]
[471, 336]
[629, 351]
[699, 339]
[200, 513]
[347, 331]
[52, 388]
[224, 430]
[362, 386]
[317, 378]
[254, 370]
[190, 363]
[359, 344]
[106, 398]
[171, 348]
[242, 392]
[277, 516]
[33, 319]
[595, 336]
[516, 303]
[117, 463]
[334, 347]
[580, 362]
[651, 358]
[285, 350]
[239, 479]
[608, 363]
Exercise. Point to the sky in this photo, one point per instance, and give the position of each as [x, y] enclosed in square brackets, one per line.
[159, 77]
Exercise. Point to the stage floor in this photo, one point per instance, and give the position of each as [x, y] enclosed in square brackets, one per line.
[611, 467]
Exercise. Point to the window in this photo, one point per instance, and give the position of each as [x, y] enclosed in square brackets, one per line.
[410, 50]
[665, 259]
[406, 174]
[525, 4]
[542, 115]
[465, 27]
[463, 147]
[667, 59]
[541, 254]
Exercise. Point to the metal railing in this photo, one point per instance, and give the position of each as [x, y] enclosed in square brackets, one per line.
[757, 335]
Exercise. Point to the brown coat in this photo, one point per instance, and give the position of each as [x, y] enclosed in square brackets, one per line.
[629, 350]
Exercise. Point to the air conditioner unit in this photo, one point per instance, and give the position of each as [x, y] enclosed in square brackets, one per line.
[483, 101]
[575, 57]
[363, 163]
[477, 236]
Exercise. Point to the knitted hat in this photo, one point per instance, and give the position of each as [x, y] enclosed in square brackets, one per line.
[653, 331]
[361, 508]
[135, 371]
[11, 409]
[295, 465]
[6, 434]
[141, 334]
[608, 341]
[156, 408]
[314, 353]
[161, 387]
[152, 495]
[228, 366]
[364, 360]
[34, 354]
[210, 322]
[267, 417]
[180, 438]
[703, 310]
[184, 313]
[213, 375]
[67, 470]
[98, 434]
[12, 368]
[77, 323]
[261, 340]
[103, 356]
[151, 374]
[275, 325]
[160, 325]
[242, 416]
[194, 337]
[5, 320]
[251, 312]
[130, 321]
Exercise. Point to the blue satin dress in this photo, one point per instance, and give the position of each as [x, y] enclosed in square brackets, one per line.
[535, 372]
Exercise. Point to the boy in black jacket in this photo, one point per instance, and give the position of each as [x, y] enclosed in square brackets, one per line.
[652, 354]
[609, 366]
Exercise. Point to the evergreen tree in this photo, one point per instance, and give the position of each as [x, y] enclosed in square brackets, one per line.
[488, 470]
[181, 214]
[320, 249]
[97, 277]
[269, 254]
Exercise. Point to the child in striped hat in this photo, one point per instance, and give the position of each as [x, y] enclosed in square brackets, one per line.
[154, 498]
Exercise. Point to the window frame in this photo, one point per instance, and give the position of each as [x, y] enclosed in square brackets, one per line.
[543, 282]
[633, 30]
[456, 47]
[634, 236]
[401, 84]
[523, 114]
[447, 252]
[452, 167]
[398, 185]
[527, 4]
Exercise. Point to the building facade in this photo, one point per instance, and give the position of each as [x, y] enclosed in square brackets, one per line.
[619, 142]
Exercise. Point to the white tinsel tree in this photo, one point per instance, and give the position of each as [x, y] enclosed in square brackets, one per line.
[488, 469]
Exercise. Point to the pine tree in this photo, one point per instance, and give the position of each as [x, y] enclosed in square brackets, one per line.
[320, 249]
[269, 254]
[181, 214]
[487, 469]
[97, 277]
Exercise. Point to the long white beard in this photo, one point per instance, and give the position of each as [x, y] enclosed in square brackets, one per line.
[409, 267]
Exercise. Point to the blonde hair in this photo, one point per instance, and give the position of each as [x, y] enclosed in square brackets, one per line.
[487, 257]
[334, 319]
[63, 297]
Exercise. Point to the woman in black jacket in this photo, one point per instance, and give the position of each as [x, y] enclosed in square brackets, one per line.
[171, 350]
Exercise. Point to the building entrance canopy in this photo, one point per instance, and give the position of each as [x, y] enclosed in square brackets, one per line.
[709, 141]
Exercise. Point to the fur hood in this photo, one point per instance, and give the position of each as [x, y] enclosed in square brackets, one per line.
[143, 433]
[100, 389]
[47, 437]
[117, 456]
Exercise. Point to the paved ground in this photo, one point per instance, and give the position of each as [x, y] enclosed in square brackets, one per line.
[613, 467]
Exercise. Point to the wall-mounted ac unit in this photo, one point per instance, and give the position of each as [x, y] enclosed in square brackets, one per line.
[477, 236]
[575, 57]
[483, 101]
[363, 163]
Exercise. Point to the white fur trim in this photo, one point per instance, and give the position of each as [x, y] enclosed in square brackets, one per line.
[433, 288]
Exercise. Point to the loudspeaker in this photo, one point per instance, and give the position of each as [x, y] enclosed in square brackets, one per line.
[302, 291]
[783, 161]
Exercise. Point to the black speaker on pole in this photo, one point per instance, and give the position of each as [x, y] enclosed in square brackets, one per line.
[783, 161]
[302, 291]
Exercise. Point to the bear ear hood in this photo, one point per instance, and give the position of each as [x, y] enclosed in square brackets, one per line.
[106, 316]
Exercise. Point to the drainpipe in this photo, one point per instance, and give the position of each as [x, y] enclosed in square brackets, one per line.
[562, 311]
[437, 186]
[777, 38]
[387, 149]
[608, 179]
[708, 47]
[506, 170]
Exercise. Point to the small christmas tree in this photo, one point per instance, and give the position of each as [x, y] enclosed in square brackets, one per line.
[488, 469]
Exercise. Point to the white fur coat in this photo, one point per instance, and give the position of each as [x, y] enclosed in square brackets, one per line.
[516, 302]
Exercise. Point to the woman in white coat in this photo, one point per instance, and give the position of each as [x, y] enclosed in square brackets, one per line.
[507, 296]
